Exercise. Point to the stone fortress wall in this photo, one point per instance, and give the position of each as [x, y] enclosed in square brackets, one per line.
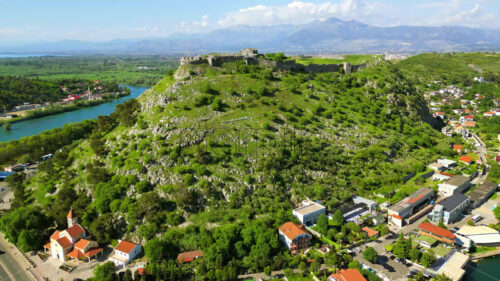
[250, 56]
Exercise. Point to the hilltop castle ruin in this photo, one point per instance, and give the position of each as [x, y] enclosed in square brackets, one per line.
[251, 57]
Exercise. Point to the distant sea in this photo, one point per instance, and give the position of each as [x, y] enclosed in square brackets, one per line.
[29, 55]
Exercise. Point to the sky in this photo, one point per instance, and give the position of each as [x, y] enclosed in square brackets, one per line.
[32, 21]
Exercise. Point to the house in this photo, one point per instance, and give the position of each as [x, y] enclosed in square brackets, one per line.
[309, 214]
[450, 209]
[479, 79]
[458, 148]
[437, 166]
[436, 232]
[72, 242]
[439, 114]
[124, 253]
[470, 124]
[406, 207]
[497, 158]
[295, 237]
[370, 232]
[456, 184]
[441, 176]
[372, 205]
[481, 193]
[396, 220]
[447, 163]
[489, 114]
[378, 219]
[466, 160]
[347, 275]
[189, 256]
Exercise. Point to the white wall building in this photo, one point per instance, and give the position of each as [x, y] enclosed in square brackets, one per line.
[456, 184]
[309, 214]
[124, 252]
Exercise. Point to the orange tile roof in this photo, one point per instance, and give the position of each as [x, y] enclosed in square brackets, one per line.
[92, 252]
[64, 242]
[397, 217]
[70, 214]
[457, 146]
[434, 229]
[47, 246]
[141, 270]
[75, 230]
[446, 174]
[469, 116]
[348, 275]
[413, 200]
[55, 235]
[82, 243]
[369, 231]
[466, 159]
[189, 256]
[125, 246]
[292, 230]
[76, 254]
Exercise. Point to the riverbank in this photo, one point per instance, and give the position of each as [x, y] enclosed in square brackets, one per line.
[479, 256]
[58, 108]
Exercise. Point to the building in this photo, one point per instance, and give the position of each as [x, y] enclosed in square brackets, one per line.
[447, 163]
[295, 237]
[453, 268]
[437, 167]
[4, 175]
[396, 220]
[439, 114]
[124, 253]
[347, 275]
[372, 205]
[450, 209]
[378, 219]
[458, 148]
[72, 242]
[370, 232]
[481, 235]
[309, 214]
[441, 176]
[189, 256]
[412, 203]
[470, 124]
[481, 193]
[436, 232]
[354, 213]
[456, 184]
[466, 160]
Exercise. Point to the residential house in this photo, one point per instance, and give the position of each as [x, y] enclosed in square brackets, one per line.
[309, 214]
[469, 124]
[347, 275]
[450, 209]
[441, 176]
[466, 160]
[458, 148]
[189, 256]
[439, 114]
[124, 253]
[489, 114]
[447, 163]
[437, 166]
[456, 184]
[436, 232]
[370, 232]
[295, 237]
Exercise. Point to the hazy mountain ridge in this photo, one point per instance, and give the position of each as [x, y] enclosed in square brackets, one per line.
[332, 36]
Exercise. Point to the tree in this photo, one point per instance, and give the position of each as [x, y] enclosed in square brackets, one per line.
[441, 277]
[370, 254]
[128, 275]
[105, 272]
[388, 248]
[24, 227]
[402, 247]
[414, 254]
[496, 211]
[427, 259]
[338, 218]
[322, 224]
[315, 266]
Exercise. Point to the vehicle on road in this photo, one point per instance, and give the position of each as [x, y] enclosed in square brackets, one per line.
[477, 218]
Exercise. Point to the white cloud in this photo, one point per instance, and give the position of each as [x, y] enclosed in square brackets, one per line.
[200, 25]
[298, 12]
[10, 31]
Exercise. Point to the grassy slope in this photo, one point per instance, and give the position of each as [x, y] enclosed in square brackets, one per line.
[352, 59]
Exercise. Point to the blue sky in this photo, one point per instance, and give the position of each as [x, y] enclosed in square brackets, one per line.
[28, 21]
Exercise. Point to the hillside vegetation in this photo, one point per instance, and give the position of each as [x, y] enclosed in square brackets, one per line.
[217, 161]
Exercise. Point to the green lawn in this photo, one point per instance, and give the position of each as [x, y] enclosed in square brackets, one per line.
[440, 250]
[352, 59]
[427, 239]
[480, 249]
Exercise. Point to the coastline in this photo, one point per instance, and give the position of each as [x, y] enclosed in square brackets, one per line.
[64, 108]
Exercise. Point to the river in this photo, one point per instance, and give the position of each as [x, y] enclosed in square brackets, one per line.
[36, 126]
[485, 270]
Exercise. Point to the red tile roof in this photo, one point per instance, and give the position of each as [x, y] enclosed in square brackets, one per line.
[82, 243]
[125, 246]
[413, 200]
[47, 246]
[189, 256]
[438, 231]
[370, 232]
[64, 242]
[446, 174]
[466, 159]
[292, 230]
[92, 252]
[76, 254]
[141, 270]
[55, 235]
[469, 117]
[348, 275]
[75, 230]
[457, 147]
[397, 217]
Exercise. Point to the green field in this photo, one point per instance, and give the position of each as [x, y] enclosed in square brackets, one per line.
[130, 70]
[352, 59]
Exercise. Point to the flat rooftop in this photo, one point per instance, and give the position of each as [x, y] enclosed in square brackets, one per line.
[411, 200]
[457, 180]
[450, 203]
[309, 209]
[484, 189]
[453, 267]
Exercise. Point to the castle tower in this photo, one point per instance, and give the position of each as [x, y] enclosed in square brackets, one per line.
[72, 218]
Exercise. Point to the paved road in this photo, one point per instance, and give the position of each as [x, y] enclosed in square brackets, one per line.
[482, 150]
[10, 264]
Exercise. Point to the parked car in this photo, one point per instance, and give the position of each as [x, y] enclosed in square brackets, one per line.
[455, 229]
[2, 189]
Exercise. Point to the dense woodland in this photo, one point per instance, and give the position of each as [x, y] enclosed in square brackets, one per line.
[218, 161]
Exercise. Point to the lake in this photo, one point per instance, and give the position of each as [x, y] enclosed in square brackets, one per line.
[485, 270]
[36, 126]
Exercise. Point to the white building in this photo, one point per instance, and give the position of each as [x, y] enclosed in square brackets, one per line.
[447, 163]
[124, 252]
[450, 209]
[309, 214]
[440, 177]
[372, 205]
[481, 235]
[456, 184]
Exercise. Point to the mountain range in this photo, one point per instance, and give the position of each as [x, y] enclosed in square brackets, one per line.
[329, 36]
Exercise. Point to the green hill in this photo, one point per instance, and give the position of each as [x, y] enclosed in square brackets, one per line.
[216, 161]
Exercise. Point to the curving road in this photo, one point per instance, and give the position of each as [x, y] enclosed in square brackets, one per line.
[10, 267]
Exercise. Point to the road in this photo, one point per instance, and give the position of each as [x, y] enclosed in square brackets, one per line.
[482, 150]
[11, 267]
